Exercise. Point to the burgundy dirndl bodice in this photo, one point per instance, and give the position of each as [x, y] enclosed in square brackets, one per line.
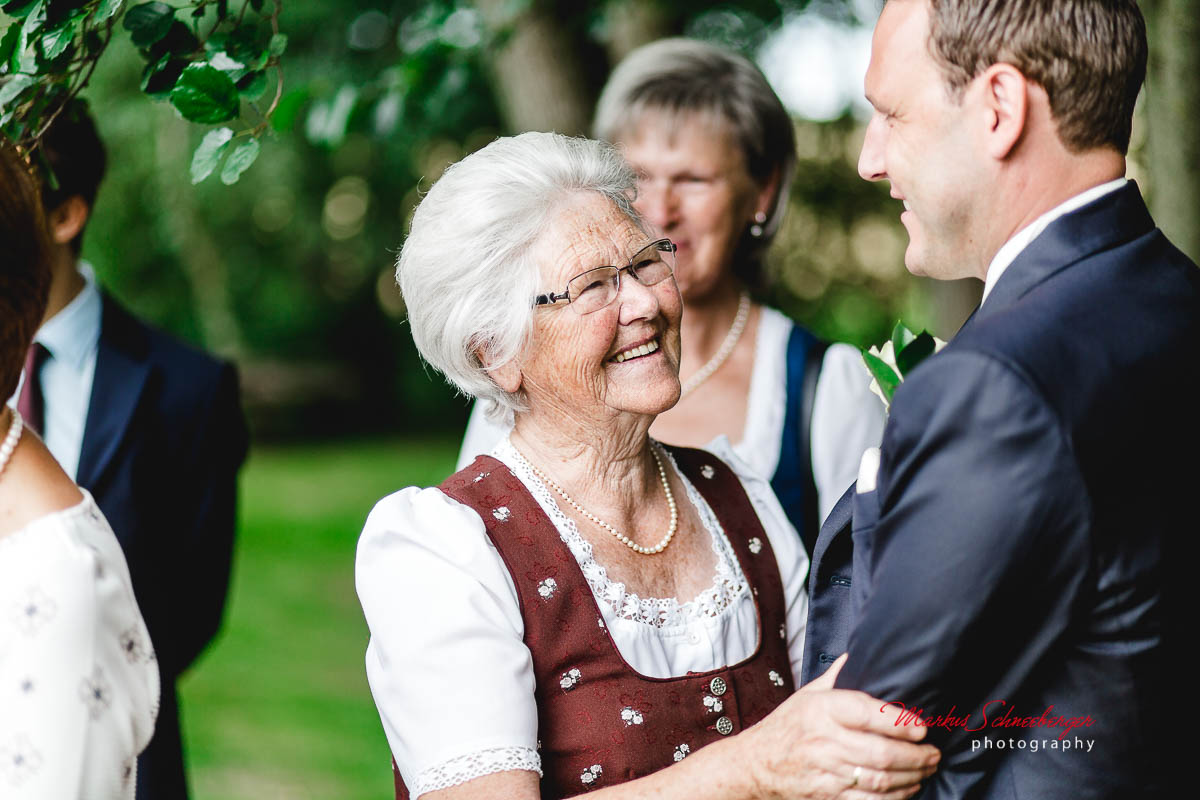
[600, 722]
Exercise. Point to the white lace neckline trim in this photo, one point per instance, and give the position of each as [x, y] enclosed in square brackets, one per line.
[729, 583]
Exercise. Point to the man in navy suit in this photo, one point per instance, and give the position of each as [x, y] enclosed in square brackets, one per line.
[151, 427]
[1009, 566]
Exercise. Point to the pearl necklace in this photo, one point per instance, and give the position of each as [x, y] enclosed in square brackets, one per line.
[622, 538]
[724, 351]
[10, 441]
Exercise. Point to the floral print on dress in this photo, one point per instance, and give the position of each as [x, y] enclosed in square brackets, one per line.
[96, 693]
[783, 631]
[631, 716]
[502, 513]
[590, 774]
[132, 645]
[713, 704]
[776, 678]
[570, 679]
[756, 545]
[547, 588]
[19, 760]
[33, 611]
[681, 752]
[480, 477]
[707, 471]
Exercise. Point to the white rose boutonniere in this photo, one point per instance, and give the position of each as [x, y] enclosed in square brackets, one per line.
[896, 358]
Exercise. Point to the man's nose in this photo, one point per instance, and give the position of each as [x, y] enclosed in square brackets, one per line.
[871, 164]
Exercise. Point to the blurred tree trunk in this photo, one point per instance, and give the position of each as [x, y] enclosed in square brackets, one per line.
[539, 81]
[1173, 106]
[633, 23]
[202, 262]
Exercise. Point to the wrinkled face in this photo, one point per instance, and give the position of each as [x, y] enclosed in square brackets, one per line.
[918, 140]
[623, 358]
[693, 187]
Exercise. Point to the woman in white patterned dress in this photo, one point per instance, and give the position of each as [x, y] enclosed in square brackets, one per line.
[78, 679]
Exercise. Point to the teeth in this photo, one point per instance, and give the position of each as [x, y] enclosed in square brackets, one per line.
[640, 350]
[907, 207]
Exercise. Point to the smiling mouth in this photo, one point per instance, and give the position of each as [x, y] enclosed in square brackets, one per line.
[636, 352]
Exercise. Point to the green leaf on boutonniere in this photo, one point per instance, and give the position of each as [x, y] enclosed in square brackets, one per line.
[915, 352]
[901, 337]
[883, 373]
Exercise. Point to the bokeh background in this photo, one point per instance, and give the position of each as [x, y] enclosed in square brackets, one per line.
[289, 272]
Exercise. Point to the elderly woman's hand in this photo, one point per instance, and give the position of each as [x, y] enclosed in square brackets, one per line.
[833, 743]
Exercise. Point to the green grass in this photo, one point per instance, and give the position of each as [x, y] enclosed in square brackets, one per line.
[279, 707]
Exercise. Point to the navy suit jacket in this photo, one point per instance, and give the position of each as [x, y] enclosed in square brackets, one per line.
[162, 446]
[1024, 544]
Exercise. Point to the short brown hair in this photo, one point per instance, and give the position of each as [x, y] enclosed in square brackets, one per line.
[24, 265]
[1089, 56]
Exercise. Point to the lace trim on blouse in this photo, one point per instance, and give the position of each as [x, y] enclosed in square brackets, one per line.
[729, 583]
[475, 765]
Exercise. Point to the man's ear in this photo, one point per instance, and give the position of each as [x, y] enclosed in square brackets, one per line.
[67, 221]
[1006, 103]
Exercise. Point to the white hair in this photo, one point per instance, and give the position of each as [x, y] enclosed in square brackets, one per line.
[465, 272]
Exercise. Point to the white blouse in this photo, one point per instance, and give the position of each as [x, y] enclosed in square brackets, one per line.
[450, 673]
[847, 418]
[78, 678]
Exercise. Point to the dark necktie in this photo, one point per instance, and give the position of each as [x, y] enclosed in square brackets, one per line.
[31, 403]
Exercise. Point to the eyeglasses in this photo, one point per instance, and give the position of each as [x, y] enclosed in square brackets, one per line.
[593, 290]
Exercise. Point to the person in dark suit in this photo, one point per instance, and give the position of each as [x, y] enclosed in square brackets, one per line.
[152, 427]
[1010, 564]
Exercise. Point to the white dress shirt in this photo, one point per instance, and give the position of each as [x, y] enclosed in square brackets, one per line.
[447, 664]
[72, 336]
[846, 417]
[1022, 238]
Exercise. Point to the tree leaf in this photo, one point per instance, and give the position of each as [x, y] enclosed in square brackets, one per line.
[149, 22]
[205, 94]
[901, 336]
[56, 42]
[257, 5]
[885, 375]
[239, 161]
[252, 85]
[278, 44]
[208, 154]
[18, 9]
[11, 90]
[914, 353]
[35, 20]
[8, 44]
[107, 8]
[248, 44]
[159, 78]
[179, 40]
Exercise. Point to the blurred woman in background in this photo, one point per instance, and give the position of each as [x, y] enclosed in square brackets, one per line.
[715, 155]
[78, 679]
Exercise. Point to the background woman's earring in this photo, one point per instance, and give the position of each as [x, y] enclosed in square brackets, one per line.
[756, 230]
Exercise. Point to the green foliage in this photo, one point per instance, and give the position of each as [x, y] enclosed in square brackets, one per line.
[211, 65]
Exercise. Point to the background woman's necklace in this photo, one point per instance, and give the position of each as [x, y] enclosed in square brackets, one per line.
[14, 436]
[724, 351]
[622, 538]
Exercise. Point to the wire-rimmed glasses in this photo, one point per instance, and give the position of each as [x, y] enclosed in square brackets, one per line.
[594, 289]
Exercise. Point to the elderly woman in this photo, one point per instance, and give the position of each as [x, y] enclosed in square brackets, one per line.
[584, 604]
[78, 678]
[714, 152]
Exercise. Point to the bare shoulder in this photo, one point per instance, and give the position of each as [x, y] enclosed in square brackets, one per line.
[32, 486]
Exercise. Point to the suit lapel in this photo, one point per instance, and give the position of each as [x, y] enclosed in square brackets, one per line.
[121, 375]
[1107, 222]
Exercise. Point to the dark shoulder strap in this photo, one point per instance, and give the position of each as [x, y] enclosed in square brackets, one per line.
[793, 479]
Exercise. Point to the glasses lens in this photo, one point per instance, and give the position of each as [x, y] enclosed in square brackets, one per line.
[593, 290]
[653, 263]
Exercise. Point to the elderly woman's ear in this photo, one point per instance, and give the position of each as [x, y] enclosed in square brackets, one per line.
[507, 375]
